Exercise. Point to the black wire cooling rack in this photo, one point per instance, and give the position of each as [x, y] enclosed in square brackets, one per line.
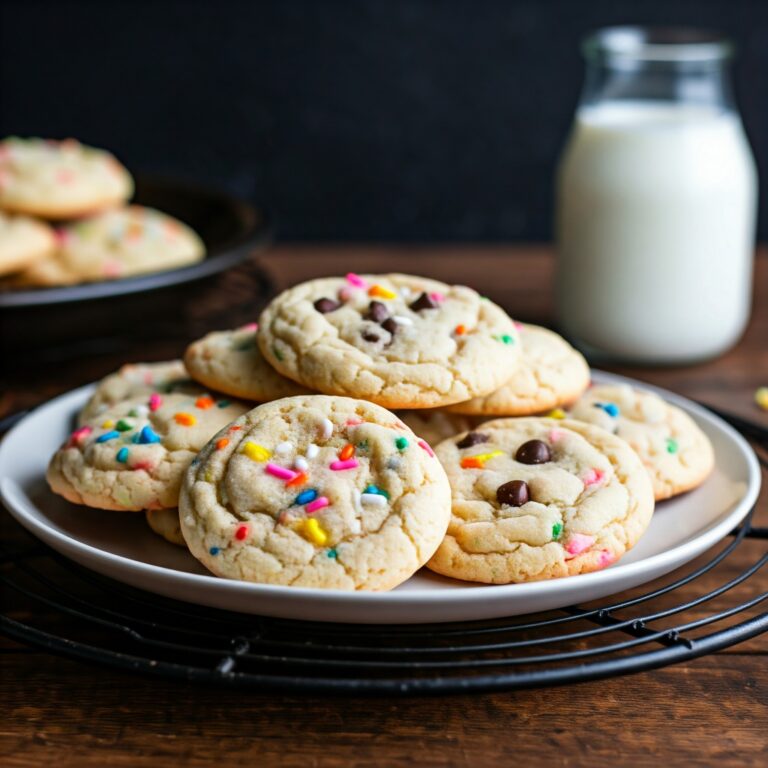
[52, 603]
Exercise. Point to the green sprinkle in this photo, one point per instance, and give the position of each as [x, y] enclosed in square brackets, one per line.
[223, 404]
[277, 353]
[332, 553]
[557, 529]
[671, 445]
[124, 426]
[401, 443]
[507, 339]
[122, 455]
[363, 446]
[133, 412]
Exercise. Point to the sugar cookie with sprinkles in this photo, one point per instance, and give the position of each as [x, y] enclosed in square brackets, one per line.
[316, 491]
[551, 374]
[23, 241]
[676, 453]
[165, 523]
[136, 380]
[119, 243]
[132, 455]
[59, 179]
[537, 498]
[396, 340]
[231, 362]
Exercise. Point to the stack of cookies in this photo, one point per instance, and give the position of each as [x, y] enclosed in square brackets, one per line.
[83, 193]
[322, 486]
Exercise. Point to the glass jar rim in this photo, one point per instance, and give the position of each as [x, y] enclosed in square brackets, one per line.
[670, 44]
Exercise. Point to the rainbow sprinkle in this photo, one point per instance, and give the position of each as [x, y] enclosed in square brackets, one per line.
[148, 435]
[401, 443]
[155, 401]
[256, 452]
[281, 472]
[319, 503]
[338, 466]
[305, 497]
[122, 455]
[185, 419]
[425, 446]
[356, 280]
[579, 543]
[108, 436]
[310, 529]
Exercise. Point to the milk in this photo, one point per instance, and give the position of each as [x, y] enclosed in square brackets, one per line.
[656, 206]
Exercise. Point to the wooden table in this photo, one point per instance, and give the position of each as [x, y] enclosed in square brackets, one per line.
[710, 711]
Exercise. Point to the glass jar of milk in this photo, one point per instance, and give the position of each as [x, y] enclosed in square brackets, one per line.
[656, 201]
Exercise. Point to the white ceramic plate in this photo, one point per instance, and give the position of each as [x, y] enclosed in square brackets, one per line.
[120, 545]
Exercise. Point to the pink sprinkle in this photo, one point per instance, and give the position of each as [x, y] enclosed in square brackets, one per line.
[281, 472]
[356, 280]
[593, 477]
[519, 326]
[155, 401]
[438, 297]
[318, 503]
[79, 434]
[250, 327]
[554, 435]
[578, 543]
[425, 446]
[354, 422]
[345, 293]
[337, 466]
[606, 558]
[145, 465]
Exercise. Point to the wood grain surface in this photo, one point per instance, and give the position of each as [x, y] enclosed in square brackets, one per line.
[712, 711]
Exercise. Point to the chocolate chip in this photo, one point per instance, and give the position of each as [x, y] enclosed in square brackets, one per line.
[472, 438]
[325, 305]
[377, 312]
[513, 494]
[534, 452]
[368, 336]
[423, 302]
[389, 325]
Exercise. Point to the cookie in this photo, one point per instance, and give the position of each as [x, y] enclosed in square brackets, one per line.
[119, 243]
[537, 498]
[23, 241]
[137, 380]
[231, 362]
[676, 453]
[551, 374]
[59, 179]
[396, 340]
[165, 523]
[315, 491]
[435, 424]
[133, 455]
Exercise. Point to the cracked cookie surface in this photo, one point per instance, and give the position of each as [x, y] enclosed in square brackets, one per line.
[59, 179]
[165, 523]
[316, 491]
[551, 373]
[132, 455]
[537, 498]
[676, 453]
[135, 380]
[231, 362]
[396, 340]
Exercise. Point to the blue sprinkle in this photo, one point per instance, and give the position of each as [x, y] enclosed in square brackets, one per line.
[223, 404]
[377, 490]
[214, 550]
[122, 455]
[332, 553]
[108, 436]
[611, 409]
[306, 496]
[148, 435]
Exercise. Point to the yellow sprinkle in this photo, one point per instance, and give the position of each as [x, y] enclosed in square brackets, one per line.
[556, 413]
[487, 456]
[312, 531]
[761, 397]
[256, 452]
[108, 424]
[208, 476]
[381, 292]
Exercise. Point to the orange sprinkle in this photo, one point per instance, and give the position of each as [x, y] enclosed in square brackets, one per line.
[185, 419]
[381, 292]
[300, 479]
[471, 462]
[460, 330]
[347, 452]
[234, 429]
[222, 443]
[204, 402]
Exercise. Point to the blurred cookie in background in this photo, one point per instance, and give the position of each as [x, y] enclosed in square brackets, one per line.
[23, 241]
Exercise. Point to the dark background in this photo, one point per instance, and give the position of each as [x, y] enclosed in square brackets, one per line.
[369, 120]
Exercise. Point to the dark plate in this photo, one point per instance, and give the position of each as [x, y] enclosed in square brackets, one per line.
[54, 322]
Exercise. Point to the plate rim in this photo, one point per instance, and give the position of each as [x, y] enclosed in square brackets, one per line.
[417, 596]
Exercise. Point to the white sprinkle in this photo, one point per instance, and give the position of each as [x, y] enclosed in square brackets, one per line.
[375, 499]
[401, 320]
[189, 520]
[300, 463]
[141, 410]
[356, 500]
[326, 429]
[406, 292]
[312, 451]
[285, 447]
